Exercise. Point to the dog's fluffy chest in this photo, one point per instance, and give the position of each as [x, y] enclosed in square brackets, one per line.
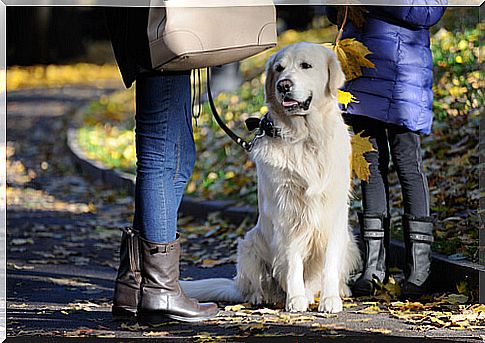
[289, 167]
[291, 186]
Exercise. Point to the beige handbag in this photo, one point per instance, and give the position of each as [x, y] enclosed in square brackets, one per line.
[190, 34]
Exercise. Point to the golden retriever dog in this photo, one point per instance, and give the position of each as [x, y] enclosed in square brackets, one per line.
[301, 245]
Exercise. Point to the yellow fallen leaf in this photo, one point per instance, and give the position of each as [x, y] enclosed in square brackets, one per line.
[360, 320]
[265, 311]
[345, 98]
[301, 319]
[387, 291]
[439, 322]
[134, 327]
[234, 308]
[462, 287]
[394, 270]
[360, 166]
[284, 317]
[155, 333]
[373, 309]
[383, 331]
[478, 308]
[351, 54]
[208, 263]
[207, 337]
[253, 327]
[413, 306]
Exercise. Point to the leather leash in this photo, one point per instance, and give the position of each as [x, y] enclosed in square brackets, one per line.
[264, 125]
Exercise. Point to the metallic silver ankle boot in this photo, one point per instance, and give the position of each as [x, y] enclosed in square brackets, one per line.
[374, 233]
[418, 237]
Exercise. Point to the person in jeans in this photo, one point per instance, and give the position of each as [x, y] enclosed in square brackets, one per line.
[394, 108]
[147, 281]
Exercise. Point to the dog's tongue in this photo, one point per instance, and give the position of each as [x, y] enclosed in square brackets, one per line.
[289, 103]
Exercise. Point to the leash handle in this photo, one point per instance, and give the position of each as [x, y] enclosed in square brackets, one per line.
[239, 141]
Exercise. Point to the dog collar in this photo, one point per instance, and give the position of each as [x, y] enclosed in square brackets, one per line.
[265, 127]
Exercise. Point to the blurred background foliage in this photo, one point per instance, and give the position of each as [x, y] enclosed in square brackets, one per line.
[81, 53]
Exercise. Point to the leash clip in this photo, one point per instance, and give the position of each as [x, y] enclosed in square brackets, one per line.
[259, 134]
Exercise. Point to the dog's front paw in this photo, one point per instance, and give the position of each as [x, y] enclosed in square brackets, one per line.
[256, 298]
[297, 303]
[330, 305]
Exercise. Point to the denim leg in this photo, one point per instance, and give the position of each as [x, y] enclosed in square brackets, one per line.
[160, 115]
[185, 153]
[406, 157]
[375, 192]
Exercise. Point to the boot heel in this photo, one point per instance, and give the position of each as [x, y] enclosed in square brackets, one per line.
[151, 318]
[120, 313]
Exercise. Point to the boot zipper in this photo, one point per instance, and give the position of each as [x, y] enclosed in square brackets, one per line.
[133, 253]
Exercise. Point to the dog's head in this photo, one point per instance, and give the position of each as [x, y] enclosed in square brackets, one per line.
[300, 77]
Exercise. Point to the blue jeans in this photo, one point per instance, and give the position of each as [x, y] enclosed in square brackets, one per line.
[165, 152]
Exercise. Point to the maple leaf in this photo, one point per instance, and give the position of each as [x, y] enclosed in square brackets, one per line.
[462, 287]
[351, 54]
[387, 291]
[345, 98]
[360, 166]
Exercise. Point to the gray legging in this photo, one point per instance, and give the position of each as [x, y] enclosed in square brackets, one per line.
[405, 150]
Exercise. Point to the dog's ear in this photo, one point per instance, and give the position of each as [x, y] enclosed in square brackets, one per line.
[269, 84]
[336, 77]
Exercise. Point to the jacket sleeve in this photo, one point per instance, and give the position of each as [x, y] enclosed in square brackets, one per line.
[416, 16]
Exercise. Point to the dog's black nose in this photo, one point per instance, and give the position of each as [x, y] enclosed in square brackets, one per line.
[284, 86]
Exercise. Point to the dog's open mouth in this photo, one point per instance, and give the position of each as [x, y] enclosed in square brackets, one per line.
[292, 105]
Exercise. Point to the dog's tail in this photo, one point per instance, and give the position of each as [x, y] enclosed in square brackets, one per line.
[212, 290]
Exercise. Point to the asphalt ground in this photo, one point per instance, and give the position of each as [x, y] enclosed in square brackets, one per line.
[62, 251]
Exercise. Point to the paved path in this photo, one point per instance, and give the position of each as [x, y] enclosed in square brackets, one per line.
[63, 248]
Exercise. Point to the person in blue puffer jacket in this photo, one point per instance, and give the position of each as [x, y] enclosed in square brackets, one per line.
[394, 108]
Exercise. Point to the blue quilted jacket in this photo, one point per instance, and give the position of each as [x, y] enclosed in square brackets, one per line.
[398, 90]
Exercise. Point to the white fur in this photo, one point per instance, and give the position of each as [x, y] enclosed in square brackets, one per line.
[301, 244]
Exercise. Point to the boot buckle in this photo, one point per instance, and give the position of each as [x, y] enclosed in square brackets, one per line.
[416, 237]
[164, 249]
[373, 234]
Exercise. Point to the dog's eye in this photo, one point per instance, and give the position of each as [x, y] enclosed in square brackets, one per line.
[279, 68]
[305, 65]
